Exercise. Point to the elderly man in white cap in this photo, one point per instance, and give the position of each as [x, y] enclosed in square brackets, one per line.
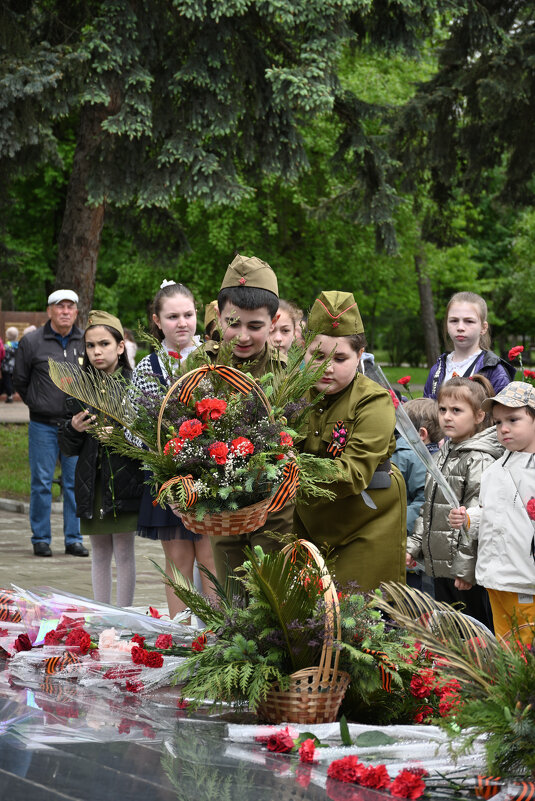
[60, 340]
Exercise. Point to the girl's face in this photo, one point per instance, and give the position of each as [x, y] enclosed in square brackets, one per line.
[102, 349]
[465, 327]
[457, 418]
[341, 370]
[177, 321]
[282, 334]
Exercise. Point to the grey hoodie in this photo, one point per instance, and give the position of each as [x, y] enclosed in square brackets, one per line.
[462, 465]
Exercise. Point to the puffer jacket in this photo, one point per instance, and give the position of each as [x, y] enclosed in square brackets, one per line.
[499, 372]
[462, 465]
[121, 477]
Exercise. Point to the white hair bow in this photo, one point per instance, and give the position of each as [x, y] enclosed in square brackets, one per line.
[165, 283]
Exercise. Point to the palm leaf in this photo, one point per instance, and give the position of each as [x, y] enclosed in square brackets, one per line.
[469, 648]
[95, 388]
[273, 579]
[199, 605]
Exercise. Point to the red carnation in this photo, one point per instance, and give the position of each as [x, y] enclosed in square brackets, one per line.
[164, 641]
[54, 637]
[375, 776]
[138, 655]
[153, 659]
[280, 742]
[514, 352]
[450, 702]
[423, 712]
[139, 640]
[173, 446]
[200, 643]
[405, 380]
[22, 643]
[421, 686]
[530, 507]
[306, 750]
[529, 374]
[154, 612]
[182, 703]
[219, 452]
[395, 399]
[346, 769]
[210, 408]
[407, 785]
[241, 446]
[80, 638]
[286, 439]
[174, 355]
[191, 429]
[3, 632]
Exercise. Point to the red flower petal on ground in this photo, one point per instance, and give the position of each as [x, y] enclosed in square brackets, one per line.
[407, 785]
[219, 452]
[306, 750]
[241, 446]
[164, 641]
[514, 352]
[191, 429]
[22, 643]
[345, 769]
[405, 380]
[210, 408]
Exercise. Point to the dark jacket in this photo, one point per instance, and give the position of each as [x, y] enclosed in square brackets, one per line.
[31, 378]
[121, 477]
[499, 372]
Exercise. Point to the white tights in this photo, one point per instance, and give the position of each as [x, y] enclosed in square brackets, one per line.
[121, 546]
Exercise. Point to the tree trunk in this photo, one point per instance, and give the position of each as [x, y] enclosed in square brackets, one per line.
[427, 310]
[81, 229]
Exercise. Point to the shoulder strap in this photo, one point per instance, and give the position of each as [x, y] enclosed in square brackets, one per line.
[471, 368]
[156, 367]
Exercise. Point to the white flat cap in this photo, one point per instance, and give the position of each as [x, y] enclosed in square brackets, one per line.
[62, 294]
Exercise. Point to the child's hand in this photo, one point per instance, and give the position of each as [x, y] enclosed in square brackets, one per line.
[462, 585]
[410, 561]
[458, 517]
[82, 421]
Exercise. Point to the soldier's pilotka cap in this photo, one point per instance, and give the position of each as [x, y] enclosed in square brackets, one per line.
[97, 317]
[250, 271]
[515, 395]
[335, 314]
[210, 314]
[62, 294]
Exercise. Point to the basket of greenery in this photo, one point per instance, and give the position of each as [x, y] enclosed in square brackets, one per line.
[270, 639]
[218, 444]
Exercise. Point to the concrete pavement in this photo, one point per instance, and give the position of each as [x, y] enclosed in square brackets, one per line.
[19, 566]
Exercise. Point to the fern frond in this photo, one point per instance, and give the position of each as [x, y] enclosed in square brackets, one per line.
[193, 599]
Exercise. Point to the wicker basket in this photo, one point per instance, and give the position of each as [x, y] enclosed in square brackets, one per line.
[315, 693]
[227, 523]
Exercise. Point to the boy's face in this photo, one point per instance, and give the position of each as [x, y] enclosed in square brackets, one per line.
[248, 328]
[515, 428]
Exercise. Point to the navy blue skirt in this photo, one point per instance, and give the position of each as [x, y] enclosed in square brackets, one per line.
[159, 523]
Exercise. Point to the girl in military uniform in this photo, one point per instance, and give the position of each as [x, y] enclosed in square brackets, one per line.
[365, 527]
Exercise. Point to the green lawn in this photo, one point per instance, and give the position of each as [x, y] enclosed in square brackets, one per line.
[14, 466]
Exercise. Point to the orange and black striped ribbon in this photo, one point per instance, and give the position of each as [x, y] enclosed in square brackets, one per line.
[56, 663]
[8, 611]
[187, 483]
[287, 489]
[334, 448]
[489, 786]
[237, 380]
[384, 661]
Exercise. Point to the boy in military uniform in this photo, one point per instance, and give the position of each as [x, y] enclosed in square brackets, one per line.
[248, 304]
[365, 527]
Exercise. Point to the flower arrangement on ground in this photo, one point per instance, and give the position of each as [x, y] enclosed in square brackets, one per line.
[217, 440]
[495, 681]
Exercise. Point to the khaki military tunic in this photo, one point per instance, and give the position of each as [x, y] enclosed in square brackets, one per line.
[369, 544]
[229, 551]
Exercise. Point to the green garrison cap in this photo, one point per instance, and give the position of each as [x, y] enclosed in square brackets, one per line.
[210, 313]
[335, 314]
[97, 317]
[250, 271]
[515, 395]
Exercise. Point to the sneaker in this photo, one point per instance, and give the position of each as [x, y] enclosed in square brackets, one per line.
[41, 549]
[76, 549]
[9, 400]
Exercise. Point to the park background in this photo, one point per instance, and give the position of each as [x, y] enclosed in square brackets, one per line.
[380, 147]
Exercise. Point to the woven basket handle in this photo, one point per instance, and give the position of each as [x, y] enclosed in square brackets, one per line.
[329, 656]
[243, 385]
